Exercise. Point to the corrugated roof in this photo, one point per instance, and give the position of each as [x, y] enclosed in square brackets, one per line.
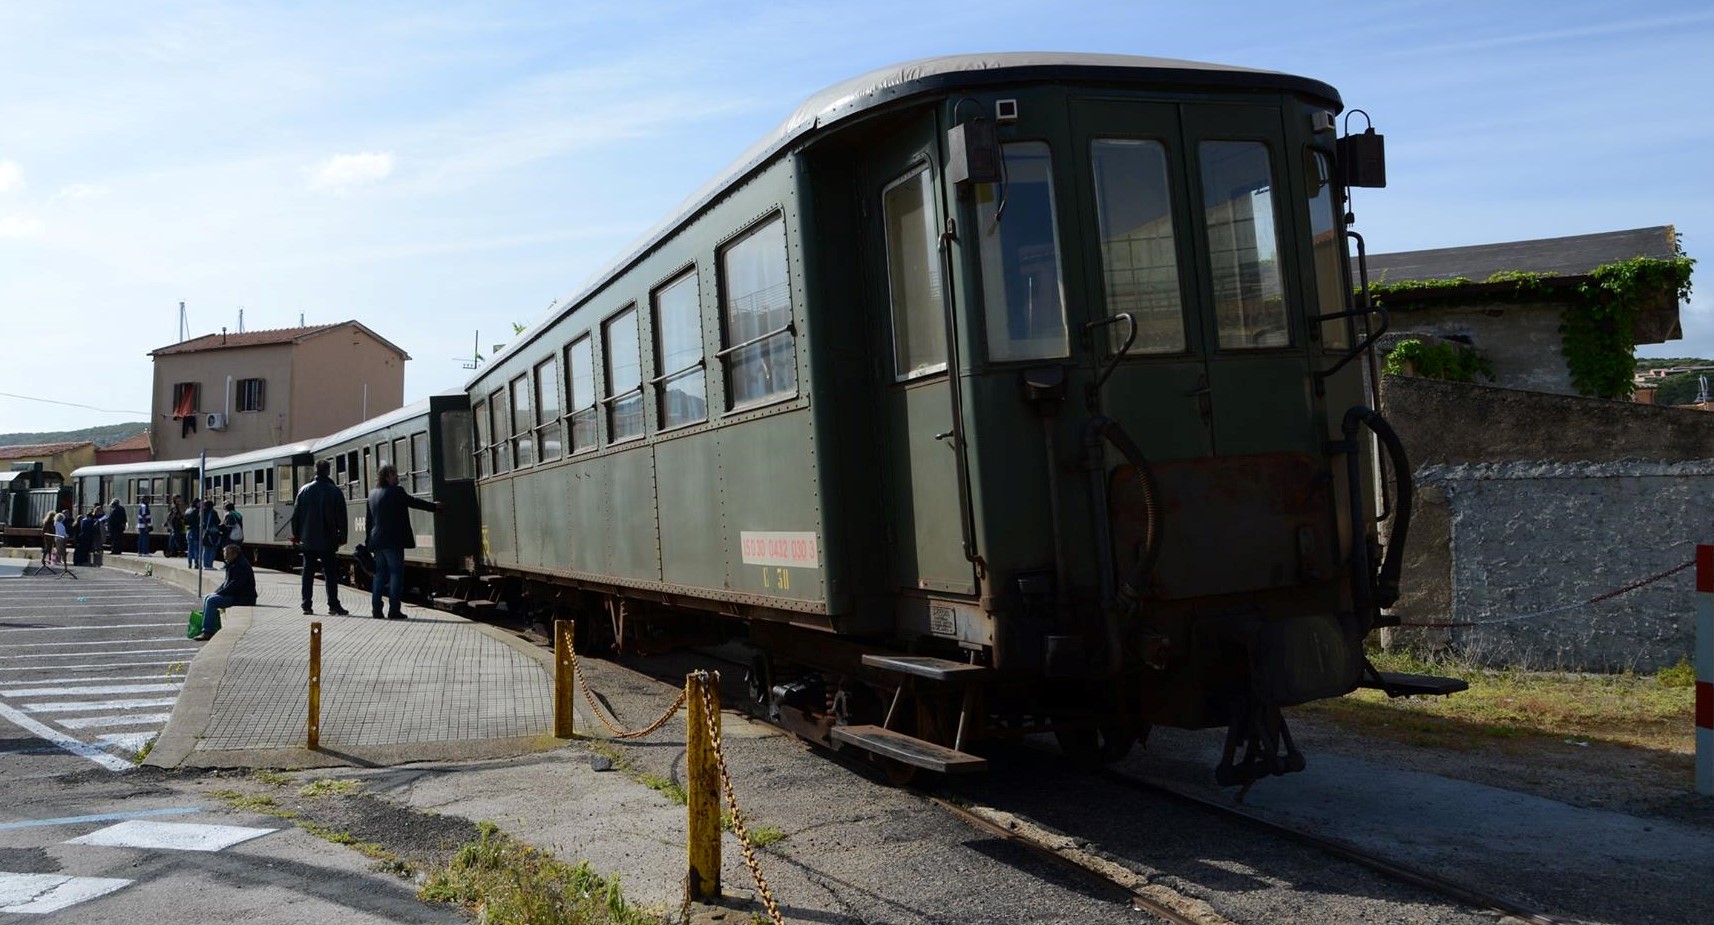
[230, 340]
[32, 450]
[1574, 255]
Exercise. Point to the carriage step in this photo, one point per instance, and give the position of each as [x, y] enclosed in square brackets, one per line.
[909, 749]
[1400, 684]
[924, 666]
[447, 603]
[479, 606]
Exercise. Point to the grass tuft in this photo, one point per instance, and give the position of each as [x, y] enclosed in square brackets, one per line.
[330, 787]
[507, 881]
[670, 789]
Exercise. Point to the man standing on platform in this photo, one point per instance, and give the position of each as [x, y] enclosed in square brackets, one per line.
[145, 524]
[115, 521]
[390, 534]
[318, 528]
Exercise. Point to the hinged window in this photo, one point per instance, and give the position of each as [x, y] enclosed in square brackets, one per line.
[756, 306]
[678, 335]
[250, 395]
[913, 277]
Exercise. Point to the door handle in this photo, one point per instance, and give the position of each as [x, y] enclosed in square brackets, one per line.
[943, 435]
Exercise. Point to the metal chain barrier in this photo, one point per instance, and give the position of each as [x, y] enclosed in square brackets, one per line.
[1566, 608]
[709, 713]
[600, 714]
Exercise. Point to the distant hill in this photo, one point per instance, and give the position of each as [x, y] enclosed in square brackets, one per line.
[105, 435]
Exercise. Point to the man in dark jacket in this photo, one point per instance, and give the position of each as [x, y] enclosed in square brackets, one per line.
[390, 534]
[318, 527]
[115, 521]
[238, 590]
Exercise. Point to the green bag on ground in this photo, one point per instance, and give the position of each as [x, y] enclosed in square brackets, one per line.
[194, 628]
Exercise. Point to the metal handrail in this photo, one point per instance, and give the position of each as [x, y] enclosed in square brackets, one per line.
[700, 363]
[790, 327]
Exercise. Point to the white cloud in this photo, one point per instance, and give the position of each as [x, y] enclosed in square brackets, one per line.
[82, 191]
[21, 226]
[11, 176]
[343, 171]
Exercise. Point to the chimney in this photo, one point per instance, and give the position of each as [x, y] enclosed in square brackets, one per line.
[222, 335]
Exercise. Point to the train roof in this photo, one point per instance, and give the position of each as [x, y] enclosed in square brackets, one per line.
[265, 454]
[417, 408]
[925, 76]
[157, 465]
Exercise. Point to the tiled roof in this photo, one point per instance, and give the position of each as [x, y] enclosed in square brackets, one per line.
[133, 442]
[32, 450]
[230, 340]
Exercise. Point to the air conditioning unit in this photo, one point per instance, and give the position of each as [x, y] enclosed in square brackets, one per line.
[217, 420]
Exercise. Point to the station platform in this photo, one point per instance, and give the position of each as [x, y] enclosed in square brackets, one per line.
[433, 687]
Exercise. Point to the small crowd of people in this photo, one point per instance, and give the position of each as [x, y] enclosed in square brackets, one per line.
[319, 529]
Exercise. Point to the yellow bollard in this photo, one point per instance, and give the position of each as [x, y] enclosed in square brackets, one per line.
[564, 716]
[314, 686]
[702, 789]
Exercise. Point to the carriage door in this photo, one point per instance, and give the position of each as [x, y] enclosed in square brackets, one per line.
[1134, 182]
[1187, 201]
[904, 219]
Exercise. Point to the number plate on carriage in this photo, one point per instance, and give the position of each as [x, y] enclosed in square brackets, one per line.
[941, 620]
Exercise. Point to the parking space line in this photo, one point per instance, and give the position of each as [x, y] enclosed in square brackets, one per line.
[75, 746]
[59, 691]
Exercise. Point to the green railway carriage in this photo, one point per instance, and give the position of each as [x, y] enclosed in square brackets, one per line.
[1019, 390]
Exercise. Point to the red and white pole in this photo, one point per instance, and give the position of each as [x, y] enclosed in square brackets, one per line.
[1705, 670]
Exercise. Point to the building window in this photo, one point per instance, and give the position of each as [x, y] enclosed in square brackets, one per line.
[620, 344]
[755, 303]
[250, 395]
[187, 399]
[678, 336]
[523, 423]
[580, 381]
[548, 426]
[913, 277]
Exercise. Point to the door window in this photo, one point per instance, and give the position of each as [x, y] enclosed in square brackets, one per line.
[913, 277]
[1243, 245]
[1139, 247]
[1328, 244]
[1021, 282]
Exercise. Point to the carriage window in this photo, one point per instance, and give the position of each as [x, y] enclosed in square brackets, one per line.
[523, 423]
[580, 371]
[456, 450]
[479, 417]
[548, 426]
[913, 277]
[400, 457]
[420, 482]
[678, 331]
[1139, 248]
[1020, 257]
[1331, 283]
[499, 424]
[756, 306]
[1243, 246]
[619, 342]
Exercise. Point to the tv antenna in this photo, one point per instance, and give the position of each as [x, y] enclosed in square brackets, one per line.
[475, 359]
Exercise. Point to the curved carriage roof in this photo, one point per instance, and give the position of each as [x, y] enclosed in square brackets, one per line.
[251, 457]
[419, 408]
[926, 76]
[135, 468]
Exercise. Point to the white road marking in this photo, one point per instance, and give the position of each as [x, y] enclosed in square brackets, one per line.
[35, 894]
[96, 689]
[90, 722]
[157, 677]
[80, 628]
[91, 642]
[91, 666]
[132, 742]
[73, 654]
[175, 836]
[75, 746]
[74, 706]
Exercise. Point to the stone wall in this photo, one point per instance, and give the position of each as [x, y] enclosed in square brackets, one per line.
[1529, 505]
[1520, 339]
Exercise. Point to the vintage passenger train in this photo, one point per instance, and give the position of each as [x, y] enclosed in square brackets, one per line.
[989, 395]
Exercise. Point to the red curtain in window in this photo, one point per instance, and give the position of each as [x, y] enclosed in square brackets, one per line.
[186, 404]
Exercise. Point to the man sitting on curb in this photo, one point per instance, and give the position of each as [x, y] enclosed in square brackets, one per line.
[239, 589]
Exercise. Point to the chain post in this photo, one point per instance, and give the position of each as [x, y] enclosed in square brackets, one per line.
[564, 713]
[314, 686]
[702, 771]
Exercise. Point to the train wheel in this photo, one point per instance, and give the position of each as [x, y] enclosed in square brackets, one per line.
[897, 773]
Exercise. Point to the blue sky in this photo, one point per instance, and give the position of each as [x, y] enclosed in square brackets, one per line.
[435, 169]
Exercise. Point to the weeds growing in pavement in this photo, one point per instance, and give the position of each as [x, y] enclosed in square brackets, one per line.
[670, 789]
[330, 787]
[254, 803]
[506, 881]
[271, 778]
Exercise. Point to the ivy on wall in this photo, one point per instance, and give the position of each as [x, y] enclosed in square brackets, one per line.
[1599, 325]
[1440, 360]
